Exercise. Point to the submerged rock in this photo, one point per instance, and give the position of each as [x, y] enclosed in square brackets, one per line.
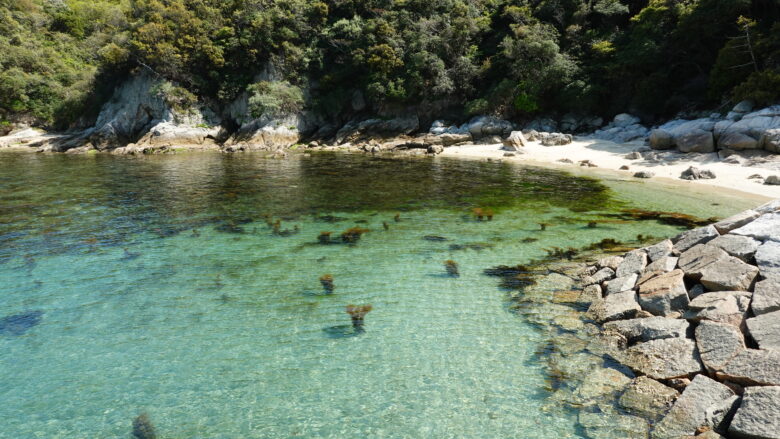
[19, 324]
[143, 428]
[649, 398]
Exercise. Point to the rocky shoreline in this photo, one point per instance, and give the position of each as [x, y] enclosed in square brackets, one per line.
[673, 340]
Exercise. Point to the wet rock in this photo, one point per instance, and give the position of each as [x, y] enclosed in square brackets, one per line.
[648, 398]
[601, 382]
[621, 284]
[694, 237]
[766, 227]
[644, 174]
[704, 404]
[724, 306]
[742, 247]
[664, 294]
[757, 417]
[590, 294]
[718, 343]
[768, 259]
[143, 428]
[647, 329]
[660, 250]
[765, 329]
[665, 358]
[614, 307]
[736, 221]
[766, 297]
[694, 173]
[753, 367]
[613, 425]
[634, 262]
[696, 141]
[663, 265]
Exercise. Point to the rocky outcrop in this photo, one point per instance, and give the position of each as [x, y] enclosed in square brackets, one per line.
[623, 128]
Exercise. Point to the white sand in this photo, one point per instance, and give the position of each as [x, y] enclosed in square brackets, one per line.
[609, 157]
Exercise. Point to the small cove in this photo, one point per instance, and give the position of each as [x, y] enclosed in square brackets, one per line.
[164, 290]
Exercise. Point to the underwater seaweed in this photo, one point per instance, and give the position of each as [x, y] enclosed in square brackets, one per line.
[452, 268]
[358, 314]
[326, 280]
[143, 428]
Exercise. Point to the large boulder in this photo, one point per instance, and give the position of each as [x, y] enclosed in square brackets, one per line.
[664, 294]
[737, 141]
[620, 284]
[765, 330]
[697, 258]
[704, 404]
[728, 274]
[660, 140]
[651, 328]
[770, 140]
[486, 126]
[754, 124]
[377, 128]
[515, 141]
[718, 343]
[696, 141]
[694, 173]
[665, 359]
[724, 306]
[742, 247]
[757, 416]
[766, 297]
[768, 260]
[663, 265]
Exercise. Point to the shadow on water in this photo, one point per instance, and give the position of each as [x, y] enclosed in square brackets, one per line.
[343, 331]
[18, 324]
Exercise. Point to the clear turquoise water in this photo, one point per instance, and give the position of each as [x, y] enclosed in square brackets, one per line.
[226, 335]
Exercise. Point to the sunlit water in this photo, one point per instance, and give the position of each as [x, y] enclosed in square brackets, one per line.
[225, 332]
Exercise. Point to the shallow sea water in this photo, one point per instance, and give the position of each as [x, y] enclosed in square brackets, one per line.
[164, 291]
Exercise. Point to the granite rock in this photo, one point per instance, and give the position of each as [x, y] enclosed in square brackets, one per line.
[647, 397]
[757, 416]
[634, 262]
[742, 247]
[765, 330]
[652, 328]
[694, 237]
[766, 297]
[665, 358]
[696, 408]
[766, 227]
[753, 367]
[718, 343]
[736, 221]
[768, 259]
[664, 294]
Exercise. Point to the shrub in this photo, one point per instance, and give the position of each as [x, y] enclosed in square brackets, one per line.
[763, 88]
[278, 98]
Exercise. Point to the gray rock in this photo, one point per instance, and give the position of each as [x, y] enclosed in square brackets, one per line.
[634, 262]
[612, 262]
[772, 180]
[696, 141]
[601, 382]
[621, 284]
[590, 294]
[729, 275]
[600, 276]
[770, 140]
[724, 306]
[661, 139]
[435, 149]
[763, 228]
[614, 307]
[753, 367]
[694, 173]
[652, 328]
[768, 260]
[697, 258]
[624, 120]
[736, 221]
[766, 297]
[665, 358]
[743, 107]
[694, 237]
[636, 155]
[718, 343]
[757, 416]
[737, 141]
[765, 329]
[772, 206]
[660, 250]
[644, 174]
[647, 397]
[555, 139]
[515, 141]
[695, 409]
[663, 265]
[664, 294]
[696, 291]
[742, 247]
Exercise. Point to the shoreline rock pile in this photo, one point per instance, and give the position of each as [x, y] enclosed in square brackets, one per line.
[700, 315]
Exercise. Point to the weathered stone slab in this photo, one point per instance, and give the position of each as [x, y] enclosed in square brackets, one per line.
[765, 329]
[612, 262]
[652, 328]
[600, 276]
[766, 297]
[759, 415]
[664, 264]
[660, 250]
[698, 257]
[724, 306]
[766, 227]
[768, 259]
[728, 275]
[742, 247]
[664, 294]
[701, 405]
[665, 359]
[753, 367]
[718, 343]
[647, 397]
[634, 262]
[621, 284]
[614, 307]
[694, 237]
[736, 221]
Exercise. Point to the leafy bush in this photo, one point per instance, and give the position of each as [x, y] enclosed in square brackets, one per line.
[763, 88]
[272, 99]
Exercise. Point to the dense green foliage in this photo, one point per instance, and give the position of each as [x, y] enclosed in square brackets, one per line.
[510, 57]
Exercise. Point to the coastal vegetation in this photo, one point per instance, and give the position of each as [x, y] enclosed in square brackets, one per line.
[515, 58]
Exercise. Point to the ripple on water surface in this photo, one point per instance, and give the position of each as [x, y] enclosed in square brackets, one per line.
[161, 285]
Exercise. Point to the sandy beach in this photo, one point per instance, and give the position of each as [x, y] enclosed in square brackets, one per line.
[609, 157]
